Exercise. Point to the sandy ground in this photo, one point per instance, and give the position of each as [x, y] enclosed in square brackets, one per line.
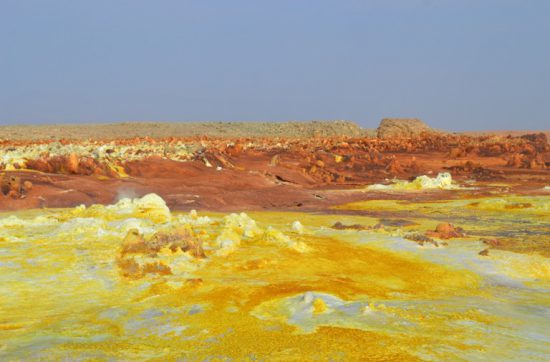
[183, 129]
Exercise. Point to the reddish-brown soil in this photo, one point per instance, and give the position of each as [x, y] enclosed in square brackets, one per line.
[275, 173]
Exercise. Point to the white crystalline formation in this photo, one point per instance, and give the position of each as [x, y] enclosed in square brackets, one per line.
[443, 181]
[10, 156]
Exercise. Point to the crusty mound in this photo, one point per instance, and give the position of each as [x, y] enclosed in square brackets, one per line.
[402, 127]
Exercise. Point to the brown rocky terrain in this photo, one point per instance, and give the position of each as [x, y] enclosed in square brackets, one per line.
[222, 173]
[305, 172]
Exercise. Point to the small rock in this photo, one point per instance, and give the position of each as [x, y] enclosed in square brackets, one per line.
[421, 239]
[339, 226]
[27, 186]
[446, 230]
[484, 252]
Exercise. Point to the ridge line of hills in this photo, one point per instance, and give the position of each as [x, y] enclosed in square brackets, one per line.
[389, 127]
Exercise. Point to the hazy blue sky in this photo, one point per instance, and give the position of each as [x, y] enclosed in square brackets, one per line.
[462, 64]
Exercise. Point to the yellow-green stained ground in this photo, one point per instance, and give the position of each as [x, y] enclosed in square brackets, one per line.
[521, 223]
[274, 289]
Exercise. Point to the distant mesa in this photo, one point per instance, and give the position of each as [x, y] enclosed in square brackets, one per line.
[402, 127]
[126, 130]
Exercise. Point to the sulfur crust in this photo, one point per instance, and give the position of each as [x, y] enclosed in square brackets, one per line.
[68, 265]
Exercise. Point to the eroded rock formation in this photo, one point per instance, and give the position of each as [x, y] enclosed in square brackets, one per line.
[402, 128]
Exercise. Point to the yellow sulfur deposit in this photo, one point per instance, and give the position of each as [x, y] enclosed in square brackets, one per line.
[134, 281]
